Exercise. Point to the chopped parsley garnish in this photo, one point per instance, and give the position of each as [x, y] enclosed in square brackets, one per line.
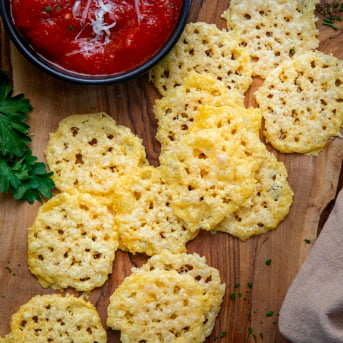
[330, 13]
[250, 284]
[48, 9]
[268, 262]
[292, 51]
[269, 313]
[20, 172]
[233, 296]
[237, 284]
[307, 241]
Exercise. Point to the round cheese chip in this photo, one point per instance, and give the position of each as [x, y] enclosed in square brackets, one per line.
[72, 242]
[57, 318]
[178, 108]
[268, 206]
[301, 103]
[210, 173]
[144, 215]
[158, 306]
[194, 265]
[206, 49]
[273, 30]
[90, 152]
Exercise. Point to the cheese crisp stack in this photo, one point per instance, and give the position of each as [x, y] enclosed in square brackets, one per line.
[302, 103]
[210, 173]
[194, 265]
[144, 217]
[268, 205]
[273, 30]
[159, 306]
[55, 318]
[90, 152]
[207, 50]
[178, 108]
[72, 242]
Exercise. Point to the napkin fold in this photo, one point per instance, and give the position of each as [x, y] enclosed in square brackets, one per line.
[312, 311]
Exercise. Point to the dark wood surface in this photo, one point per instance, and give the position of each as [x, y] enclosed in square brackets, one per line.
[314, 180]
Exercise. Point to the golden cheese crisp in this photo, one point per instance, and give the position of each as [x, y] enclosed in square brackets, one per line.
[273, 30]
[206, 49]
[266, 208]
[57, 318]
[301, 103]
[158, 306]
[72, 242]
[210, 173]
[90, 152]
[179, 107]
[233, 120]
[144, 216]
[196, 266]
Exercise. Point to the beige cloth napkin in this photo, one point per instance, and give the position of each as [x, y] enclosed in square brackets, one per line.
[312, 311]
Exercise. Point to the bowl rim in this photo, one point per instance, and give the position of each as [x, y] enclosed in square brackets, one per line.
[93, 80]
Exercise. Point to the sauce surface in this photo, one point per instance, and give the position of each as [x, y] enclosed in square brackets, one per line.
[96, 37]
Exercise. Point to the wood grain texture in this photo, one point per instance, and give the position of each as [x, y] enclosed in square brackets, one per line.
[315, 181]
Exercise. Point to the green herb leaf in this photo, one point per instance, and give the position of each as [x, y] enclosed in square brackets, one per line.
[269, 313]
[268, 262]
[20, 172]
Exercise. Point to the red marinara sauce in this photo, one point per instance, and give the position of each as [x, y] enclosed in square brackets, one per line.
[96, 37]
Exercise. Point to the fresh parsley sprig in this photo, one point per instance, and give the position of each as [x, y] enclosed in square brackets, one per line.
[20, 173]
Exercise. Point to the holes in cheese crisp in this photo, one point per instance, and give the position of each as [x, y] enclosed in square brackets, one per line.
[247, 16]
[338, 82]
[203, 173]
[23, 323]
[137, 195]
[94, 141]
[74, 131]
[78, 159]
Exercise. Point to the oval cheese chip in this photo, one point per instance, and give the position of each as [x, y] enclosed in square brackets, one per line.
[302, 103]
[144, 216]
[266, 208]
[210, 173]
[206, 49]
[72, 242]
[273, 30]
[158, 306]
[57, 318]
[177, 109]
[207, 277]
[90, 152]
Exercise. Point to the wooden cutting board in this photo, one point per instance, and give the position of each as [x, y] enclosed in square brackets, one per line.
[314, 180]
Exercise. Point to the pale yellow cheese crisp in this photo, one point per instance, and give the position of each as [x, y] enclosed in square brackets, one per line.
[90, 152]
[302, 103]
[72, 242]
[177, 109]
[273, 30]
[205, 49]
[196, 266]
[266, 208]
[210, 173]
[158, 306]
[57, 318]
[144, 216]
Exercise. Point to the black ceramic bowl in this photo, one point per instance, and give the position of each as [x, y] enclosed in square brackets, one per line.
[26, 49]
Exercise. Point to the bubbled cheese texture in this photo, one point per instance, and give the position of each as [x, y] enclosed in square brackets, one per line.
[210, 172]
[273, 30]
[72, 242]
[268, 205]
[158, 306]
[57, 318]
[178, 108]
[90, 152]
[301, 103]
[196, 266]
[144, 216]
[206, 49]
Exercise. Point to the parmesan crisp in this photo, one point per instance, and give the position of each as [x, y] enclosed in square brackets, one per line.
[273, 30]
[57, 318]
